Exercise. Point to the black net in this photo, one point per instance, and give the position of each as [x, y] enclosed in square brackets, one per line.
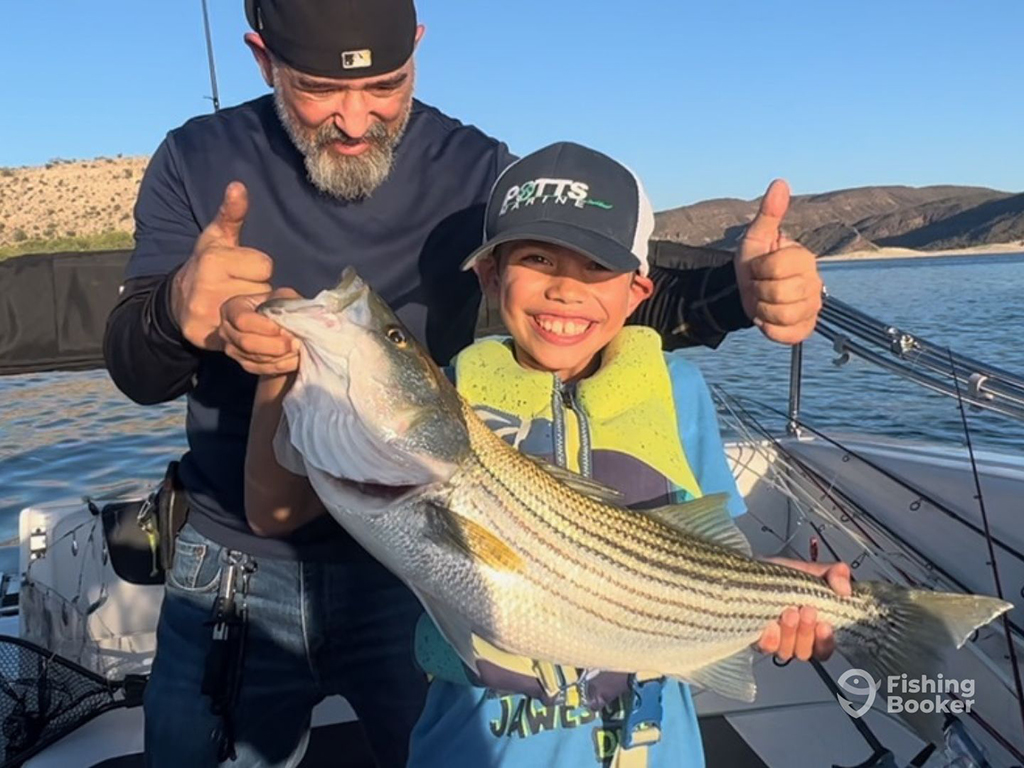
[44, 697]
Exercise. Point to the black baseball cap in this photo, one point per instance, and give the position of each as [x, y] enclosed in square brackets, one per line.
[337, 38]
[569, 195]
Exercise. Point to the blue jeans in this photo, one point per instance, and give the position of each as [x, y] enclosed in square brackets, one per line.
[315, 629]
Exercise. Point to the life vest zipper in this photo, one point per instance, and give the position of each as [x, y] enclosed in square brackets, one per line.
[558, 422]
[563, 397]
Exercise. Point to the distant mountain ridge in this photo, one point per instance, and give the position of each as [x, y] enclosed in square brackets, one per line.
[865, 218]
[51, 207]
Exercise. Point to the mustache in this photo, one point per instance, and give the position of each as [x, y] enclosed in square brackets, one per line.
[376, 135]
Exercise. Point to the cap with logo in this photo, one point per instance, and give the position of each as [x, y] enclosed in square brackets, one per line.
[337, 38]
[572, 196]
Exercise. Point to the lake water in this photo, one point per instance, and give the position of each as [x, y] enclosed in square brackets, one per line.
[68, 435]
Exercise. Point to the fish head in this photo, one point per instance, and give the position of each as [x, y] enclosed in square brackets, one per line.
[369, 405]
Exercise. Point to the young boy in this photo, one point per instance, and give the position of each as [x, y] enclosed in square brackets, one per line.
[566, 258]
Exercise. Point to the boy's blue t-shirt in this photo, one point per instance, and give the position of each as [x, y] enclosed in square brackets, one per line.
[465, 725]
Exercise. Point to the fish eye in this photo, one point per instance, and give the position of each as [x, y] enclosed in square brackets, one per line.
[396, 336]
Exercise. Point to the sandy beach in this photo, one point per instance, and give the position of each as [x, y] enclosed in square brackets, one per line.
[991, 249]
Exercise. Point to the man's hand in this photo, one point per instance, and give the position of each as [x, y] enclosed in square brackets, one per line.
[778, 279]
[798, 632]
[217, 270]
[256, 342]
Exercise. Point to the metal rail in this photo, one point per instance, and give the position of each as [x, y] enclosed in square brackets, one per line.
[856, 334]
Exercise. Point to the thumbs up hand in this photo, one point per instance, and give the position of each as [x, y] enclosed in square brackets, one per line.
[778, 278]
[218, 270]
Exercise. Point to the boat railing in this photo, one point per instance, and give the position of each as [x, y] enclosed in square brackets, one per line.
[854, 333]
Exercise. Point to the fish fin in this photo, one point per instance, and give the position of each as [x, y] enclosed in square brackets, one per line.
[476, 541]
[436, 656]
[285, 452]
[453, 629]
[733, 676]
[921, 625]
[579, 483]
[706, 517]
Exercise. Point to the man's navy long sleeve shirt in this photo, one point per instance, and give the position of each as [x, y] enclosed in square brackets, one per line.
[407, 241]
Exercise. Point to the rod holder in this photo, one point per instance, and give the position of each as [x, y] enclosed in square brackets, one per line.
[796, 365]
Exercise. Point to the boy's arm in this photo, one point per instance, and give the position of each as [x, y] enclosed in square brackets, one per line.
[699, 433]
[276, 501]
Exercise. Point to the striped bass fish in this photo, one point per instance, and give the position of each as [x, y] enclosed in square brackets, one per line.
[538, 561]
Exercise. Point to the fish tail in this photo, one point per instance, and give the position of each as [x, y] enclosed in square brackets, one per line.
[917, 628]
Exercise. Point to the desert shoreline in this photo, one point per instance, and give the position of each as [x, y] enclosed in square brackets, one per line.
[887, 254]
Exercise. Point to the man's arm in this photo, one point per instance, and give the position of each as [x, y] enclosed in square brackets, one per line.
[771, 282]
[694, 306]
[179, 279]
[146, 355]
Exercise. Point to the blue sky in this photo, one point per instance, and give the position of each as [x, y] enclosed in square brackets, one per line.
[709, 99]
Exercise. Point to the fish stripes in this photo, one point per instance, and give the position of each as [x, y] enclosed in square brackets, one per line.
[542, 517]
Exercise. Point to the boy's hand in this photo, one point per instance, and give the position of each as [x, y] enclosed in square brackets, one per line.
[255, 342]
[798, 632]
[778, 278]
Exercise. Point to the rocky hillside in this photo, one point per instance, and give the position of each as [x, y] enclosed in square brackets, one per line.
[925, 218]
[87, 204]
[68, 199]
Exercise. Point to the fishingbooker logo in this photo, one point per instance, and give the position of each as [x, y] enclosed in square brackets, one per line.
[560, 191]
[859, 683]
[905, 694]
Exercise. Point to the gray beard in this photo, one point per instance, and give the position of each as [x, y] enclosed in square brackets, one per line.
[346, 177]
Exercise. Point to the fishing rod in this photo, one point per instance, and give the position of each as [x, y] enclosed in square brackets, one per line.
[988, 539]
[987, 387]
[849, 506]
[835, 310]
[846, 506]
[209, 56]
[879, 753]
[881, 756]
[921, 494]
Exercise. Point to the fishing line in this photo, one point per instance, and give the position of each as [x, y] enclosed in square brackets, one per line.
[750, 419]
[949, 512]
[850, 509]
[879, 752]
[799, 465]
[812, 475]
[988, 539]
[775, 477]
[897, 538]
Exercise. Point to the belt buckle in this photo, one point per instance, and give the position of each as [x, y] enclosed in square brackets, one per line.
[642, 725]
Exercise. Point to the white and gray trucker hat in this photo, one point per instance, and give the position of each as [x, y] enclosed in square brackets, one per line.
[569, 195]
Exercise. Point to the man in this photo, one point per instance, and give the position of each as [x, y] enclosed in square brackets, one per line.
[340, 166]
